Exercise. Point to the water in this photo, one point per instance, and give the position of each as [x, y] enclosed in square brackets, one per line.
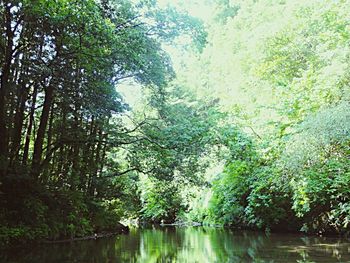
[188, 244]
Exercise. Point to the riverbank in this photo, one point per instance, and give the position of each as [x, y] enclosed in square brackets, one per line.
[122, 229]
[118, 229]
[294, 231]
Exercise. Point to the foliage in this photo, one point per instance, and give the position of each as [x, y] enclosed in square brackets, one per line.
[262, 89]
[279, 71]
[230, 190]
[161, 201]
[60, 64]
[321, 197]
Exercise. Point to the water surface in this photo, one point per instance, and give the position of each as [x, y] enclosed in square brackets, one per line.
[188, 244]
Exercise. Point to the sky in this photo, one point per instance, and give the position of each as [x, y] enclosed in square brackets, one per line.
[131, 91]
[196, 8]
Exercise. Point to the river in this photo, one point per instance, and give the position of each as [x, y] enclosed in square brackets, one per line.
[188, 244]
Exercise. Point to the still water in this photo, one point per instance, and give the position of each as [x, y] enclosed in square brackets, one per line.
[188, 244]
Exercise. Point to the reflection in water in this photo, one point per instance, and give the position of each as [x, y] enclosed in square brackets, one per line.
[191, 244]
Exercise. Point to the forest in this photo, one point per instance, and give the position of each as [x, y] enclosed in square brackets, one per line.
[118, 110]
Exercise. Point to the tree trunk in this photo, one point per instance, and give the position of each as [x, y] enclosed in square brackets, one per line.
[38, 145]
[4, 89]
[18, 124]
[30, 126]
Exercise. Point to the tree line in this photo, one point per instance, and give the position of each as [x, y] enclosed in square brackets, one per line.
[60, 112]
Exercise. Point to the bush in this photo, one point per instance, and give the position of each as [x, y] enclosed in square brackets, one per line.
[161, 201]
[269, 203]
[229, 195]
[322, 196]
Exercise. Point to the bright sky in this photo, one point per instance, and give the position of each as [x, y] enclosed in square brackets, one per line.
[130, 90]
[196, 8]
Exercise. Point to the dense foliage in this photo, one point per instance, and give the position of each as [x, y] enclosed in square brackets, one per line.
[281, 69]
[61, 116]
[251, 129]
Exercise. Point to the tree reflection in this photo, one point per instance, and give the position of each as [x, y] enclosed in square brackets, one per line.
[188, 244]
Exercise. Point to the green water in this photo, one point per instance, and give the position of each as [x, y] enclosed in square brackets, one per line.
[188, 244]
